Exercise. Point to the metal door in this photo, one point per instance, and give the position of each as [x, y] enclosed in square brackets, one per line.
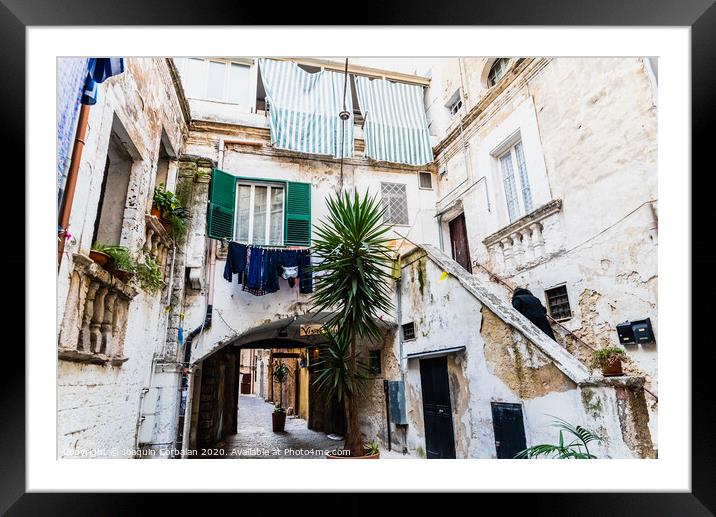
[458, 242]
[437, 411]
[509, 427]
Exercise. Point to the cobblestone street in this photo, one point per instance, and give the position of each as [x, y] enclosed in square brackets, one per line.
[255, 438]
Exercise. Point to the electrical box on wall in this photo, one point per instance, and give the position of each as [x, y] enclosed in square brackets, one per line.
[633, 332]
[396, 398]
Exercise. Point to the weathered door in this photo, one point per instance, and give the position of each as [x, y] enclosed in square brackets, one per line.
[458, 242]
[509, 428]
[245, 383]
[437, 411]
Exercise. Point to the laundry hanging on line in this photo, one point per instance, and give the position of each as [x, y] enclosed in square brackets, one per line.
[259, 268]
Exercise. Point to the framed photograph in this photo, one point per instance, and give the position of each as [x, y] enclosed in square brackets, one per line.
[416, 243]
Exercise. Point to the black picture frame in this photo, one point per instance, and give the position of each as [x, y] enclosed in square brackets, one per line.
[699, 15]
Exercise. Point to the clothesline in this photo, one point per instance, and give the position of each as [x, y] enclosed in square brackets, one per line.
[263, 246]
[260, 267]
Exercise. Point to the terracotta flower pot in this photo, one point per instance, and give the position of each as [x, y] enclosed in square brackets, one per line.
[613, 368]
[99, 257]
[156, 212]
[279, 422]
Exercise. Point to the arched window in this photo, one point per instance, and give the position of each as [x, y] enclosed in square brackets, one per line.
[497, 70]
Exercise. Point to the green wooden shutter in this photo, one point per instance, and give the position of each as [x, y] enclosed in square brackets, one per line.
[222, 199]
[297, 227]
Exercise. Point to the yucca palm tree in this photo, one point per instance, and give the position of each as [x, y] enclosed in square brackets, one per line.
[353, 283]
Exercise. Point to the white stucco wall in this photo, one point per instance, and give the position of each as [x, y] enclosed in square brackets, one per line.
[236, 311]
[588, 126]
[99, 405]
[476, 377]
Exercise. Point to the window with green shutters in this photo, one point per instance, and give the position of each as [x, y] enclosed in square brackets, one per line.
[256, 221]
[297, 230]
[222, 200]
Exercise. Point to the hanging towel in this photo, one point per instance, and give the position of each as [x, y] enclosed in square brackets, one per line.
[395, 128]
[304, 108]
[99, 69]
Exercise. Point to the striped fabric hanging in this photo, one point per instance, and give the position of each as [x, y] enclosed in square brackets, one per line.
[396, 129]
[304, 108]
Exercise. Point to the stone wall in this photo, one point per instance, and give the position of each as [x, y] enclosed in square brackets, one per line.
[99, 404]
[588, 127]
[503, 360]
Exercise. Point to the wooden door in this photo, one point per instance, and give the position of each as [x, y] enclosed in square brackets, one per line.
[458, 242]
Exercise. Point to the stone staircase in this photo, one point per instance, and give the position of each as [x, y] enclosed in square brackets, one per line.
[571, 342]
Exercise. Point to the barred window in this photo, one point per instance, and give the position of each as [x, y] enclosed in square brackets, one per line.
[558, 302]
[408, 331]
[395, 203]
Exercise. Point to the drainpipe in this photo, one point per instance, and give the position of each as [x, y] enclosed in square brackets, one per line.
[69, 193]
[399, 317]
[188, 410]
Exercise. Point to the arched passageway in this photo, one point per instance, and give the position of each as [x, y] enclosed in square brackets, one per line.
[234, 395]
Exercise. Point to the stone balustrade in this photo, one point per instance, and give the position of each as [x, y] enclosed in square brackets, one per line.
[522, 243]
[95, 318]
[157, 242]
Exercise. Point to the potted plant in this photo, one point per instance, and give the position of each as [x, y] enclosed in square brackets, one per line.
[121, 263]
[353, 283]
[115, 259]
[371, 451]
[160, 200]
[150, 276]
[278, 417]
[98, 255]
[609, 359]
[167, 206]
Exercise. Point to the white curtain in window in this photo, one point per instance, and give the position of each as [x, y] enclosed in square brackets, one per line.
[396, 129]
[304, 108]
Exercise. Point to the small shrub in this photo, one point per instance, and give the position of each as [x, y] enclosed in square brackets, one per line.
[171, 210]
[371, 449]
[119, 257]
[150, 276]
[607, 356]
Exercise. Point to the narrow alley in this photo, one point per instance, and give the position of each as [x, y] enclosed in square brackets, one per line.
[215, 272]
[255, 439]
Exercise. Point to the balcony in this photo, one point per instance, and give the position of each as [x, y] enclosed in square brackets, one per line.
[95, 316]
[157, 242]
[522, 244]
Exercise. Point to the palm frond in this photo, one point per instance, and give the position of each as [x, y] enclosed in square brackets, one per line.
[573, 450]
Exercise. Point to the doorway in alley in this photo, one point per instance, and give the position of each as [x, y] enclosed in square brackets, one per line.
[458, 242]
[236, 393]
[437, 410]
[508, 423]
